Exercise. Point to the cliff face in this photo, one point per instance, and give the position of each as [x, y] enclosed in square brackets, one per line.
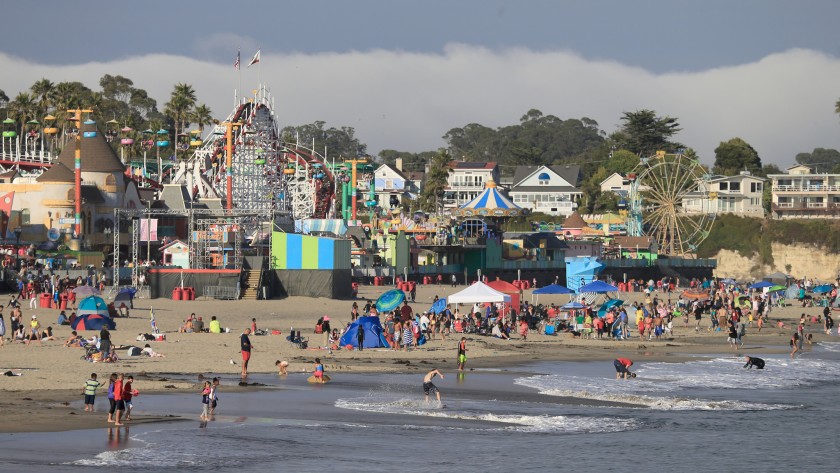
[805, 261]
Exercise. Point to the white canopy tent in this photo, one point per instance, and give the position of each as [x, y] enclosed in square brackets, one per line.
[478, 292]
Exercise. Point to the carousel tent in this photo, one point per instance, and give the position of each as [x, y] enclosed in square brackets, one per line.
[489, 203]
[478, 292]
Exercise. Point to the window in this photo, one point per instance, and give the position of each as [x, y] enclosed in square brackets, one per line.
[724, 186]
[755, 187]
[735, 186]
[544, 178]
[24, 217]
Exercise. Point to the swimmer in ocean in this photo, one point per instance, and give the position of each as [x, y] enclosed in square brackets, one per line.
[754, 361]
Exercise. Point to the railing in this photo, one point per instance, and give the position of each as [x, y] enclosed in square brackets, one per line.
[818, 188]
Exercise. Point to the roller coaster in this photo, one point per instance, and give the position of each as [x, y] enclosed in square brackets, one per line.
[266, 172]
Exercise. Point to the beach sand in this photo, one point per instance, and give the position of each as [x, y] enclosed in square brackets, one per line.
[53, 375]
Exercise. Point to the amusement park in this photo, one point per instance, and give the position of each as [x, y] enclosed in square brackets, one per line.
[239, 209]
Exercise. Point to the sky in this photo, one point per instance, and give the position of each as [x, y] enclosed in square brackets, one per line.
[403, 73]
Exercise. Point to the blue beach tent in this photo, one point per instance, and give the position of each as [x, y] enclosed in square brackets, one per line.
[374, 335]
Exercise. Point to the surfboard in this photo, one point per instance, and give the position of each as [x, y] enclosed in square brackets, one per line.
[312, 379]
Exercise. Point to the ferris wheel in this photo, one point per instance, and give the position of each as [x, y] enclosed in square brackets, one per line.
[671, 202]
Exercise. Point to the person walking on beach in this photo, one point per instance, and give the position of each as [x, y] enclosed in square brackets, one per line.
[796, 344]
[205, 401]
[118, 399]
[128, 394]
[462, 353]
[213, 399]
[111, 401]
[91, 385]
[429, 387]
[622, 368]
[246, 346]
[2, 329]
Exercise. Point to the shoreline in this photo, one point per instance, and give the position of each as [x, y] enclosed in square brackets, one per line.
[53, 375]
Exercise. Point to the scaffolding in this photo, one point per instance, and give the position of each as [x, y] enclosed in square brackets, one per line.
[203, 251]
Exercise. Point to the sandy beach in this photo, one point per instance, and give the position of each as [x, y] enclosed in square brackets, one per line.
[53, 375]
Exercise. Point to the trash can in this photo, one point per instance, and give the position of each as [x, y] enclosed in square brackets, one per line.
[177, 294]
[45, 300]
[63, 305]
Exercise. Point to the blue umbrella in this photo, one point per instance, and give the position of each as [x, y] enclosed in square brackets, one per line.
[822, 289]
[609, 305]
[597, 287]
[554, 289]
[390, 300]
[761, 285]
[438, 307]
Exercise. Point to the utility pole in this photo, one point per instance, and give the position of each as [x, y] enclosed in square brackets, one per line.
[77, 118]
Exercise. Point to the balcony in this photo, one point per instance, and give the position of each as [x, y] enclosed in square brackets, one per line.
[803, 189]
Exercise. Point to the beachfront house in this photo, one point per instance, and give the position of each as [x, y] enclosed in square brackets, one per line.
[739, 195]
[802, 193]
[552, 190]
[466, 181]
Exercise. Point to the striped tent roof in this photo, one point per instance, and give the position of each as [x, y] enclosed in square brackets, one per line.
[490, 203]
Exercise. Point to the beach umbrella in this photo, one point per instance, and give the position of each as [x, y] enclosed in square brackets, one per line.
[609, 305]
[438, 307]
[93, 322]
[86, 291]
[776, 288]
[390, 300]
[761, 285]
[729, 281]
[598, 287]
[822, 289]
[696, 295]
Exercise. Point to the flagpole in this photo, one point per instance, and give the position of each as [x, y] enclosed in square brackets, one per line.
[240, 75]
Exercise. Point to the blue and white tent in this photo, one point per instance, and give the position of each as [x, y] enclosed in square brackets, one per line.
[490, 203]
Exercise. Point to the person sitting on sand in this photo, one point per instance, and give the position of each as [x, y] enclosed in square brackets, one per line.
[282, 365]
[215, 326]
[74, 340]
[498, 332]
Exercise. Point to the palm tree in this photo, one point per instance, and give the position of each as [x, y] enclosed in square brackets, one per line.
[179, 108]
[23, 108]
[202, 115]
[44, 91]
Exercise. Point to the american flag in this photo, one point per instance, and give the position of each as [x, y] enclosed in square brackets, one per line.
[236, 63]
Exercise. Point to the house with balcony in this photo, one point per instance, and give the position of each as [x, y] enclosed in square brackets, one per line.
[466, 181]
[800, 193]
[552, 190]
[740, 195]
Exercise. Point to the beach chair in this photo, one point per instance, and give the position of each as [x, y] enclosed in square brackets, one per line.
[297, 340]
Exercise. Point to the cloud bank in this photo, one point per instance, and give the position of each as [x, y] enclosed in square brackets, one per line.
[781, 105]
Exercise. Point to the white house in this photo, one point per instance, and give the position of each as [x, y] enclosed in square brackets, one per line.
[800, 193]
[739, 195]
[616, 183]
[466, 181]
[391, 185]
[552, 190]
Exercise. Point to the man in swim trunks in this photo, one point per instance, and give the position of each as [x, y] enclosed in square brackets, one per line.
[622, 368]
[429, 387]
[754, 361]
[462, 353]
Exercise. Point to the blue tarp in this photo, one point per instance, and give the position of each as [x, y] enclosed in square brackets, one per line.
[374, 335]
[761, 285]
[597, 287]
[554, 289]
[438, 307]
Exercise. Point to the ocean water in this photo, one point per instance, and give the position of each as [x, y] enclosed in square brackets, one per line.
[709, 415]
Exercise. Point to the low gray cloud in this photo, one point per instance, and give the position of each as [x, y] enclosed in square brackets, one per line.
[782, 104]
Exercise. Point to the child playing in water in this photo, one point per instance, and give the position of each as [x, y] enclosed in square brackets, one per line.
[205, 401]
[282, 365]
[319, 371]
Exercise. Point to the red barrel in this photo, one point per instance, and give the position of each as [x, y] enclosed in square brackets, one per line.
[526, 284]
[517, 284]
[377, 280]
[177, 294]
[189, 293]
[63, 304]
[45, 301]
